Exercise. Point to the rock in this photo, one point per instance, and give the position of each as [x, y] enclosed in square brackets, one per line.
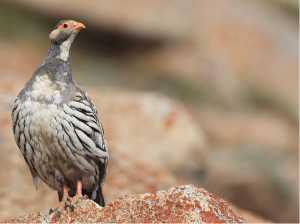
[151, 127]
[253, 151]
[133, 17]
[248, 215]
[127, 174]
[238, 128]
[183, 204]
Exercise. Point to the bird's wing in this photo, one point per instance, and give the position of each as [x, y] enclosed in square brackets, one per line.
[85, 132]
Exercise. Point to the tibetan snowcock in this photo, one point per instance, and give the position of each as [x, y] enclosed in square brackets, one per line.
[57, 129]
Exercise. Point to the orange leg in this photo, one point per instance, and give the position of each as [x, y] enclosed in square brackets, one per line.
[78, 195]
[79, 188]
[63, 203]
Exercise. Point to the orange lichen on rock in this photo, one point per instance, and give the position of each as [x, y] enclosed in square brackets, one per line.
[176, 205]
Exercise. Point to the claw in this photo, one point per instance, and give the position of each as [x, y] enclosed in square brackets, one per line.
[62, 205]
[77, 196]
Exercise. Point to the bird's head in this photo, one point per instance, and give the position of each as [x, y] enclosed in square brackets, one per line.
[65, 30]
[62, 37]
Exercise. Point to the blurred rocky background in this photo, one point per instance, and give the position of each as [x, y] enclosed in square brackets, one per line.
[189, 92]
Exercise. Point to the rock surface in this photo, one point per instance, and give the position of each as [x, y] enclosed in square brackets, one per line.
[151, 126]
[183, 204]
[251, 217]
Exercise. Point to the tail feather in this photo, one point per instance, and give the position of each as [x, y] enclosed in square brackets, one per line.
[100, 198]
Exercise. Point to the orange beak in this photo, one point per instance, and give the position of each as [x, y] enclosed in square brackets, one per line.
[78, 26]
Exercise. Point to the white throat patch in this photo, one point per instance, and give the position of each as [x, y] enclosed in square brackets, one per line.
[65, 49]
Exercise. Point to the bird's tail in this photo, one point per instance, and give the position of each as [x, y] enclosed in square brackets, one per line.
[100, 198]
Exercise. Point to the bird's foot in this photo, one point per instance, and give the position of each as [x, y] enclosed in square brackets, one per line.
[63, 205]
[74, 200]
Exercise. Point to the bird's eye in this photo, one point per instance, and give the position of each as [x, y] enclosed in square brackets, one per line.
[65, 25]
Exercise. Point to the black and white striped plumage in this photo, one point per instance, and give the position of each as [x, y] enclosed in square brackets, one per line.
[56, 125]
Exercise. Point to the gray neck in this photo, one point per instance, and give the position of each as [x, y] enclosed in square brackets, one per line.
[59, 50]
[58, 58]
[58, 72]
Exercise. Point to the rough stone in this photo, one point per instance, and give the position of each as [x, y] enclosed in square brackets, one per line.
[136, 123]
[183, 204]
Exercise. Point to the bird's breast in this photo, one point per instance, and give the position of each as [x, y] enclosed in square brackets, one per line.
[40, 117]
[44, 90]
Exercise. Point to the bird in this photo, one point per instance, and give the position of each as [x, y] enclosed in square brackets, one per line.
[57, 128]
